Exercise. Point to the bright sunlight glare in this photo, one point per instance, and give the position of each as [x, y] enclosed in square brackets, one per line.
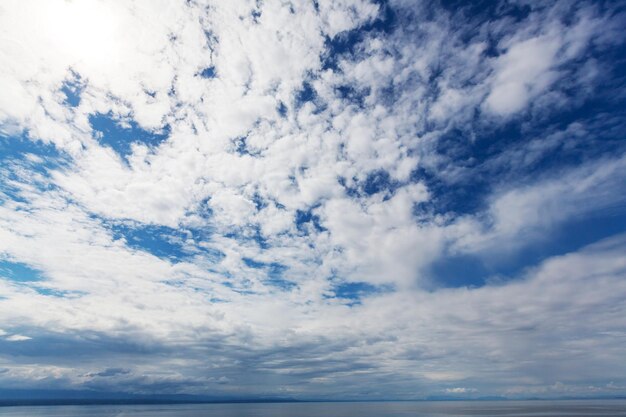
[85, 30]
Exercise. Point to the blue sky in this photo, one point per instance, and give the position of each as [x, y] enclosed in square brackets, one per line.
[334, 200]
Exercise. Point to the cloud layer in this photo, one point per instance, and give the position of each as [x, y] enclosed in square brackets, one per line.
[344, 199]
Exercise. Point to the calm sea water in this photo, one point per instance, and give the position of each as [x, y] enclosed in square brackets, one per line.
[612, 408]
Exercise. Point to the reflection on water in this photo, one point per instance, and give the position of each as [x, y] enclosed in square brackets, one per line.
[612, 408]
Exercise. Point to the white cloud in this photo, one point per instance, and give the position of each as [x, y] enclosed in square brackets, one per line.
[530, 65]
[17, 338]
[528, 213]
[460, 390]
[523, 72]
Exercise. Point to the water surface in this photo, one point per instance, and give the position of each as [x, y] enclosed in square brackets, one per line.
[596, 408]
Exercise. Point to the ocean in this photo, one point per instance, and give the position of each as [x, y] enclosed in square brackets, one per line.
[574, 408]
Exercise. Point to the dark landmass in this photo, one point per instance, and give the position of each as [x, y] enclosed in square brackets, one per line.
[69, 397]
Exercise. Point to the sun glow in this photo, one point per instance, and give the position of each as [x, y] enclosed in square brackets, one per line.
[86, 30]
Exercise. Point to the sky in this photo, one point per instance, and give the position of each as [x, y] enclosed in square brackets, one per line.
[332, 199]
